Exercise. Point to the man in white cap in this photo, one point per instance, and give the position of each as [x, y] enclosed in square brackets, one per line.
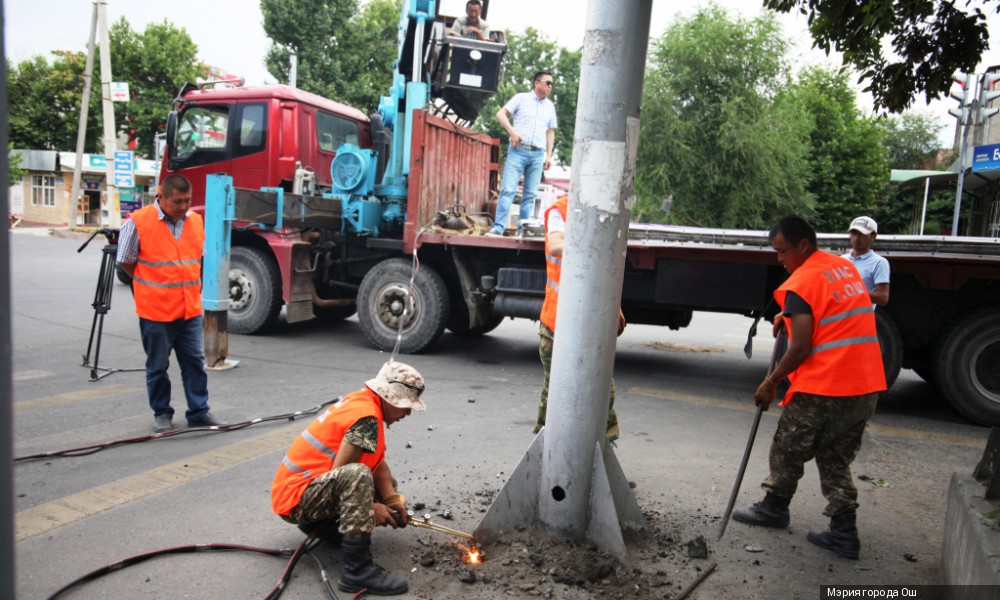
[335, 484]
[874, 269]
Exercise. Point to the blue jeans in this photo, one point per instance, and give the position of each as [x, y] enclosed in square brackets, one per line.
[185, 338]
[529, 162]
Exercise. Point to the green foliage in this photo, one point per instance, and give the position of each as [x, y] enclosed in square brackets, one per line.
[928, 42]
[14, 170]
[849, 172]
[343, 53]
[155, 64]
[527, 53]
[910, 139]
[717, 132]
[44, 112]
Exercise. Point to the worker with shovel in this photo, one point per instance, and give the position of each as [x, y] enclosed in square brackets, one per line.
[335, 484]
[834, 366]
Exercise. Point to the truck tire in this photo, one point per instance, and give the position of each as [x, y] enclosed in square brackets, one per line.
[383, 296]
[891, 342]
[967, 365]
[254, 290]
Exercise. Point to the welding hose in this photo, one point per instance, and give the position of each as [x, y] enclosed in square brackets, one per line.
[91, 449]
[134, 560]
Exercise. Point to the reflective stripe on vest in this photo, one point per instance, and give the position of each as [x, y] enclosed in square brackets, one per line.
[845, 358]
[313, 452]
[553, 270]
[167, 274]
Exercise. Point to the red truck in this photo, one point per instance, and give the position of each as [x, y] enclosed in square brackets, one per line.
[368, 200]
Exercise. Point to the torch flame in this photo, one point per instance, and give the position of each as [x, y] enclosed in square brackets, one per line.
[473, 554]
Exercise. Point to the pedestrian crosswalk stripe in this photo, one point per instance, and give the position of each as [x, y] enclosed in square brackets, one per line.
[72, 397]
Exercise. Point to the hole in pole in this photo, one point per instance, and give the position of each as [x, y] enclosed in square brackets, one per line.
[558, 494]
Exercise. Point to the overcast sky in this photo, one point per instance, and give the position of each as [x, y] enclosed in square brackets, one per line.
[229, 34]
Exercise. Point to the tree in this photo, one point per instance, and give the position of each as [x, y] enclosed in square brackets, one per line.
[14, 170]
[342, 53]
[911, 138]
[848, 165]
[155, 64]
[46, 113]
[528, 53]
[717, 133]
[931, 40]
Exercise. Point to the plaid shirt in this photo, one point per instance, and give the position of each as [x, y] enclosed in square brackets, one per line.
[128, 237]
[532, 117]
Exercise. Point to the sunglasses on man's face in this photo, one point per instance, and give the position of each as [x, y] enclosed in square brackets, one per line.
[548, 83]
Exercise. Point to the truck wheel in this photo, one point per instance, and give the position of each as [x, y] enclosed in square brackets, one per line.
[892, 347]
[967, 365]
[254, 290]
[383, 296]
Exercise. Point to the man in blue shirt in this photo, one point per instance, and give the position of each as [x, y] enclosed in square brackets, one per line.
[874, 269]
[532, 138]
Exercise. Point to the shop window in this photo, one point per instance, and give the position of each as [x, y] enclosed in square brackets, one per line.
[43, 190]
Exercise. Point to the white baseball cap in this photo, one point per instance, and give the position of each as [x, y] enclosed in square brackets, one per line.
[865, 225]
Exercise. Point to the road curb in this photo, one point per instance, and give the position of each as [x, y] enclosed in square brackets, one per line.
[970, 554]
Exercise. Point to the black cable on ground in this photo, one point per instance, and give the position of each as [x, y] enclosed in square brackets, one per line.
[134, 560]
[91, 449]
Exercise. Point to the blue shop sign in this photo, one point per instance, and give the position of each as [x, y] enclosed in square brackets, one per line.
[986, 158]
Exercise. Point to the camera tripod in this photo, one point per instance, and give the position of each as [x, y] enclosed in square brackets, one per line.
[102, 303]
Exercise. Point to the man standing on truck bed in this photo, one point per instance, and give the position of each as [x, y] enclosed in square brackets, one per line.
[874, 269]
[471, 26]
[555, 236]
[532, 138]
[160, 247]
[335, 484]
[834, 366]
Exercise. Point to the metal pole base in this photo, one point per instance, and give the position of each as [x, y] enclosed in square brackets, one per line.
[612, 503]
[98, 373]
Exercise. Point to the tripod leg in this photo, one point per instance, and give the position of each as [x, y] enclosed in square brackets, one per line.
[102, 303]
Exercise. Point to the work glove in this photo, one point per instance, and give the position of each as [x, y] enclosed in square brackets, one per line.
[765, 393]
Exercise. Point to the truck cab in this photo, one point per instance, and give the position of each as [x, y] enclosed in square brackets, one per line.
[269, 135]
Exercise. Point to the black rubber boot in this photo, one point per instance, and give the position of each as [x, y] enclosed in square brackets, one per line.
[772, 511]
[361, 573]
[326, 531]
[842, 537]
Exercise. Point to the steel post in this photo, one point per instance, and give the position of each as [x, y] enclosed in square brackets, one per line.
[220, 208]
[604, 153]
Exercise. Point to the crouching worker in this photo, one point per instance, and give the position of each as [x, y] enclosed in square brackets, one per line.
[334, 482]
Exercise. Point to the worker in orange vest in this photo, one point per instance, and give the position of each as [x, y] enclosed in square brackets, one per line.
[160, 248]
[334, 481]
[555, 234]
[834, 368]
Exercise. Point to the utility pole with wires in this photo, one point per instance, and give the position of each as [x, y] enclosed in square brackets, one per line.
[111, 215]
[81, 134]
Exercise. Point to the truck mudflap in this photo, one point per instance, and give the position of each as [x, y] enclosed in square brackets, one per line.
[299, 306]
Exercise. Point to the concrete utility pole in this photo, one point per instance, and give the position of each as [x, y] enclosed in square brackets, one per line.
[111, 214]
[569, 482]
[81, 134]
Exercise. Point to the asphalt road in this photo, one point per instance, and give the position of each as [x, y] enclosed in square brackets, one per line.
[684, 402]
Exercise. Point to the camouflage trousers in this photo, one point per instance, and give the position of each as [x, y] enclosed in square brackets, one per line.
[829, 430]
[346, 493]
[545, 336]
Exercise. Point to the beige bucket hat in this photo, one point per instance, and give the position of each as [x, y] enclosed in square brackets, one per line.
[400, 385]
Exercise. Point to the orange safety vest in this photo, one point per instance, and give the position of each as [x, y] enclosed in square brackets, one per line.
[553, 270]
[846, 359]
[167, 280]
[313, 452]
